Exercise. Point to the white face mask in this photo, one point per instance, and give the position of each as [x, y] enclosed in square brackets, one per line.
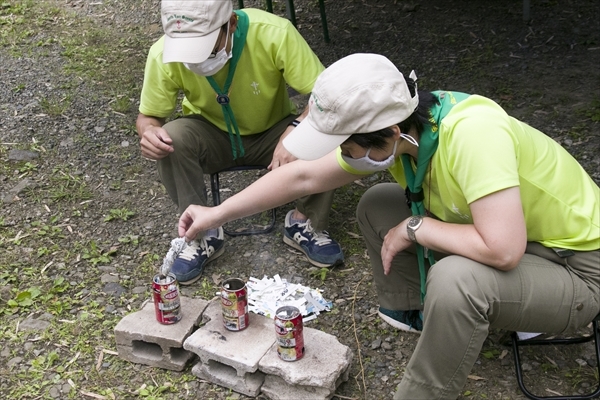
[367, 164]
[212, 65]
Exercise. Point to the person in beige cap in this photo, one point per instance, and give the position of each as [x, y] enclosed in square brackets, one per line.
[511, 218]
[232, 68]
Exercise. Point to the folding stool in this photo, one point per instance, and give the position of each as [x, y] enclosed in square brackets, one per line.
[216, 197]
[516, 343]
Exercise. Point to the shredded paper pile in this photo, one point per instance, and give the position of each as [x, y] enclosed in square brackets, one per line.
[266, 295]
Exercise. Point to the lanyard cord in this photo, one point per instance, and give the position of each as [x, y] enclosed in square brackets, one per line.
[428, 144]
[415, 198]
[223, 95]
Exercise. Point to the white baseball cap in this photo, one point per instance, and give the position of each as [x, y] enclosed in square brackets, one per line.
[360, 93]
[192, 28]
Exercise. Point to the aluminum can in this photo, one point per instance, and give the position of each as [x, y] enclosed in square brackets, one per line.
[167, 303]
[234, 304]
[288, 332]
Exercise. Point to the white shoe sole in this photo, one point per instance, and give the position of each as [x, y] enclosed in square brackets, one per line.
[397, 324]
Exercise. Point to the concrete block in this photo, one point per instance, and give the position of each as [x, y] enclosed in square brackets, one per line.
[142, 339]
[325, 363]
[276, 388]
[247, 361]
[241, 350]
[226, 376]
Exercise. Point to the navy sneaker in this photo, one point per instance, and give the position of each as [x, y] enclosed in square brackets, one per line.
[409, 321]
[189, 264]
[318, 247]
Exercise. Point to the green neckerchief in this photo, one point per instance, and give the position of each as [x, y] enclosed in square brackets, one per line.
[223, 95]
[428, 144]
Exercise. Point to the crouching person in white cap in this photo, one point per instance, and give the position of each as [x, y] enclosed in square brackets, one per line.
[232, 68]
[510, 217]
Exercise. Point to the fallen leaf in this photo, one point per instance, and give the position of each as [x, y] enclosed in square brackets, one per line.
[476, 378]
[94, 395]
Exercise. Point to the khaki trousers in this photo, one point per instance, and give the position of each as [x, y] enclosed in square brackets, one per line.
[545, 293]
[202, 148]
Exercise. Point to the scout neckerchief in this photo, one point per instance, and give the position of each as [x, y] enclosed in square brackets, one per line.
[428, 144]
[223, 95]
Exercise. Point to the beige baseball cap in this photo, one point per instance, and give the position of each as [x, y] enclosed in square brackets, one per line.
[360, 93]
[192, 27]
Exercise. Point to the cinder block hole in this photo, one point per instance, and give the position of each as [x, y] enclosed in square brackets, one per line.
[179, 355]
[147, 350]
[224, 371]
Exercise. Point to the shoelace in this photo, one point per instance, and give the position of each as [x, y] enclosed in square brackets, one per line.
[190, 251]
[320, 238]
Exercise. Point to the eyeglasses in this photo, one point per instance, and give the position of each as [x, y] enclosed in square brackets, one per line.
[216, 49]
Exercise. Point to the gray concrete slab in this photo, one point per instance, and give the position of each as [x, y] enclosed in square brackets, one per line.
[276, 388]
[141, 339]
[250, 384]
[241, 350]
[325, 361]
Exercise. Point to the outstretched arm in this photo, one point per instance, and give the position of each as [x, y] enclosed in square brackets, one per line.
[280, 186]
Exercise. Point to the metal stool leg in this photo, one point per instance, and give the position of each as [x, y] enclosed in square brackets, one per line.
[216, 197]
[324, 21]
[516, 343]
[291, 11]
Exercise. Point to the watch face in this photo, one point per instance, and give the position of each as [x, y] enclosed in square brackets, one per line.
[414, 221]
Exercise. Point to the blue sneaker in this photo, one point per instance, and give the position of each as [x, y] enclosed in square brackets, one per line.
[409, 321]
[189, 264]
[318, 247]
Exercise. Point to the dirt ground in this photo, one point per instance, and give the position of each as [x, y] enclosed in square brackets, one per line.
[85, 222]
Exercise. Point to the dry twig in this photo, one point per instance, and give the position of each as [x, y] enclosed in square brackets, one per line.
[362, 369]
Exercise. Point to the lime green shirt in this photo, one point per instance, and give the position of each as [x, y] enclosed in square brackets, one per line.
[483, 150]
[274, 54]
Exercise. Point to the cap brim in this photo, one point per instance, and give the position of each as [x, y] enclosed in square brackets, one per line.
[307, 143]
[192, 50]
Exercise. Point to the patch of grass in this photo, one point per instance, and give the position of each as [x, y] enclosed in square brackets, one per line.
[207, 289]
[54, 106]
[121, 104]
[593, 111]
[19, 88]
[320, 273]
[119, 213]
[96, 255]
[67, 187]
[26, 168]
[92, 49]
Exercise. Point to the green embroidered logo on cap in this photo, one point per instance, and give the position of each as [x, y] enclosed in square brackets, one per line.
[316, 101]
[183, 17]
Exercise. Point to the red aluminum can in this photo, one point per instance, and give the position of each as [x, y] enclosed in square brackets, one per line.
[234, 304]
[167, 304]
[288, 330]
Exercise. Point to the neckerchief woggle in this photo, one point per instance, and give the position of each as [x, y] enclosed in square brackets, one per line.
[223, 95]
[428, 144]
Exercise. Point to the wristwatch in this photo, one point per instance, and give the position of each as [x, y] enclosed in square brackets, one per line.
[414, 223]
